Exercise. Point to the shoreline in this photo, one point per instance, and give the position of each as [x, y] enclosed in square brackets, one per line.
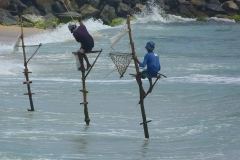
[9, 34]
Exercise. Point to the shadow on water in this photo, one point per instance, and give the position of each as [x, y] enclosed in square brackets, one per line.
[144, 149]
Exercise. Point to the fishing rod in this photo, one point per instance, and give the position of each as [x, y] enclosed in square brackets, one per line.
[67, 8]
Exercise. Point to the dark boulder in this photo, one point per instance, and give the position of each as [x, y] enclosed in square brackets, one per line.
[31, 10]
[199, 4]
[67, 16]
[87, 11]
[80, 3]
[6, 18]
[94, 3]
[237, 3]
[17, 6]
[230, 7]
[215, 8]
[57, 7]
[123, 10]
[173, 4]
[4, 3]
[108, 14]
[114, 3]
[184, 12]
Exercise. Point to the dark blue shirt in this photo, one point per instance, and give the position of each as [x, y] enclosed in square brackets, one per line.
[153, 64]
[81, 35]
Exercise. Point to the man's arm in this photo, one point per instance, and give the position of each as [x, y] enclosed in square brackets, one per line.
[136, 59]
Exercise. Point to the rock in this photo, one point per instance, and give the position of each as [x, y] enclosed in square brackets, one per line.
[32, 18]
[237, 3]
[4, 4]
[87, 11]
[212, 2]
[173, 4]
[49, 16]
[215, 8]
[130, 3]
[139, 8]
[74, 5]
[67, 16]
[31, 10]
[184, 12]
[57, 7]
[69, 5]
[27, 3]
[184, 2]
[41, 2]
[17, 6]
[94, 3]
[199, 4]
[80, 3]
[50, 19]
[123, 10]
[108, 14]
[230, 6]
[46, 8]
[6, 18]
[114, 3]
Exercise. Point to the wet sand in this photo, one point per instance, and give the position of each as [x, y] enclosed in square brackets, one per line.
[9, 34]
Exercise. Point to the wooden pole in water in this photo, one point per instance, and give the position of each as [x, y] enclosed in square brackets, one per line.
[145, 127]
[84, 90]
[26, 70]
[87, 119]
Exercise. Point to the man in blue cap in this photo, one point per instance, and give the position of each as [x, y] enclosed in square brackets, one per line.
[152, 61]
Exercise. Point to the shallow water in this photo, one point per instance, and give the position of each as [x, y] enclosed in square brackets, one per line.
[195, 111]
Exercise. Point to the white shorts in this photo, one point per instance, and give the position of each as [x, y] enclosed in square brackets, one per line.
[81, 50]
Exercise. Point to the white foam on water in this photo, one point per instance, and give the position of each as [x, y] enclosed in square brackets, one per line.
[208, 79]
[62, 33]
[5, 48]
[152, 13]
[77, 80]
[222, 19]
[7, 67]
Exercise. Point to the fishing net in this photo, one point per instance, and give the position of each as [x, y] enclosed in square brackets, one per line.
[121, 61]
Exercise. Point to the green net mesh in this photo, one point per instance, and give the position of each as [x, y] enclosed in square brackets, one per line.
[121, 61]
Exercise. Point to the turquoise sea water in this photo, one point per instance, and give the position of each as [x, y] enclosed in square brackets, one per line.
[195, 111]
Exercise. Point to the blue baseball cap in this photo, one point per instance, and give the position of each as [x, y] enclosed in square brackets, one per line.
[150, 45]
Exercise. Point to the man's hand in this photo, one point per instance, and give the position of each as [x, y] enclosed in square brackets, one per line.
[136, 59]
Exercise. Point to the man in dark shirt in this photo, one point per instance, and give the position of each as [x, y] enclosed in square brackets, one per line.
[85, 39]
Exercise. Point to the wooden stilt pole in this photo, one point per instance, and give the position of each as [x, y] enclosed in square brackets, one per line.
[145, 127]
[84, 90]
[26, 70]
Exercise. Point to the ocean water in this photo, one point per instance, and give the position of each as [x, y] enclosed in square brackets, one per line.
[195, 111]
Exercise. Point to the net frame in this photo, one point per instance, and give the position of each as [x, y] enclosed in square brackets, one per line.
[121, 61]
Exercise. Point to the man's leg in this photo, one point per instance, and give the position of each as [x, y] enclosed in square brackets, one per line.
[150, 87]
[86, 59]
[80, 56]
[138, 78]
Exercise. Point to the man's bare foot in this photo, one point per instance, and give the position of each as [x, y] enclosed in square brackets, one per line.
[89, 66]
[81, 68]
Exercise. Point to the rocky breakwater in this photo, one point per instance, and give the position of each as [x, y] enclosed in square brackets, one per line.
[203, 8]
[49, 13]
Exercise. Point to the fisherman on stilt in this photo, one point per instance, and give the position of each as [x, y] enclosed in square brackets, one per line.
[152, 61]
[86, 41]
